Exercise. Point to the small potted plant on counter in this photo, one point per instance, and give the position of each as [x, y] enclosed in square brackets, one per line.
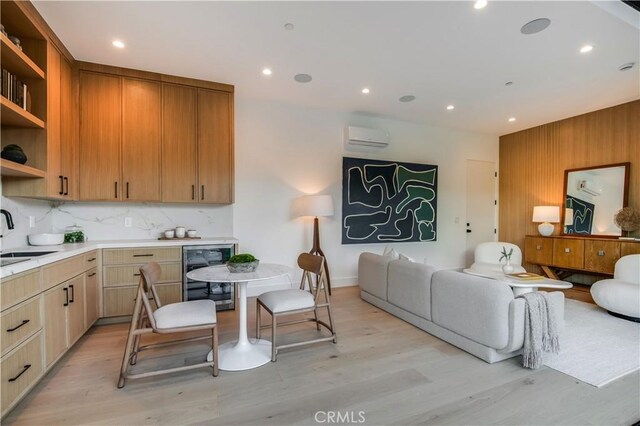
[243, 262]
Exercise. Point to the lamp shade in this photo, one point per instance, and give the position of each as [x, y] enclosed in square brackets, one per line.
[546, 214]
[314, 205]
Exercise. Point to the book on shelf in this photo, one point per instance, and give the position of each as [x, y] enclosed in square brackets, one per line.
[526, 276]
[15, 90]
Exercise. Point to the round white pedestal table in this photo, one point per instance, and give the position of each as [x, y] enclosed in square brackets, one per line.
[243, 354]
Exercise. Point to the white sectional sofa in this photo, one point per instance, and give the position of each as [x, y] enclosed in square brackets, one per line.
[476, 314]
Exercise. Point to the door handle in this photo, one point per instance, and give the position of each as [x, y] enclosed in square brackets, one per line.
[61, 185]
[193, 192]
[72, 294]
[468, 231]
[91, 274]
[202, 192]
[66, 181]
[116, 193]
[127, 190]
[66, 296]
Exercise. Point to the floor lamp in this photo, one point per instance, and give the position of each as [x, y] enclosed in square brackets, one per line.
[317, 206]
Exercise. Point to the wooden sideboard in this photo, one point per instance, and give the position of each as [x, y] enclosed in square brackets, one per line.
[560, 256]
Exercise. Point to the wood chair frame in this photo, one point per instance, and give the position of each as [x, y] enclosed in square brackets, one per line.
[311, 265]
[143, 322]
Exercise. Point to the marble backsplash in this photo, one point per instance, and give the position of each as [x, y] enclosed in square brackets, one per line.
[105, 221]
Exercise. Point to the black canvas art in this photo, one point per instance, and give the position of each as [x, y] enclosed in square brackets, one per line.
[388, 202]
[582, 216]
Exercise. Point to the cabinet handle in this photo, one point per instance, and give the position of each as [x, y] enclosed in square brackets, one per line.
[538, 247]
[91, 260]
[72, 294]
[202, 192]
[25, 368]
[24, 322]
[127, 189]
[143, 255]
[91, 274]
[66, 181]
[567, 250]
[116, 193]
[601, 253]
[136, 275]
[66, 296]
[61, 185]
[193, 192]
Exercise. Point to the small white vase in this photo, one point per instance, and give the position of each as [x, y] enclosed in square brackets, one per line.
[507, 269]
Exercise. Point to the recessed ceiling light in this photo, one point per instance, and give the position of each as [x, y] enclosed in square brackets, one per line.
[535, 26]
[450, 107]
[302, 78]
[366, 91]
[118, 43]
[266, 71]
[509, 83]
[407, 98]
[627, 66]
[512, 119]
[586, 48]
[289, 26]
[479, 4]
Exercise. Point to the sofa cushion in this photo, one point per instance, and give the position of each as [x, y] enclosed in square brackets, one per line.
[372, 274]
[472, 306]
[409, 287]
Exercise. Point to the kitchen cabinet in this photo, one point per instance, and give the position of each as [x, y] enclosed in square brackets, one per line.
[180, 168]
[100, 133]
[55, 318]
[20, 322]
[20, 371]
[68, 131]
[76, 311]
[215, 147]
[92, 290]
[141, 139]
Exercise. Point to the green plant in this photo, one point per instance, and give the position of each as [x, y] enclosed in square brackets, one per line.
[505, 255]
[242, 258]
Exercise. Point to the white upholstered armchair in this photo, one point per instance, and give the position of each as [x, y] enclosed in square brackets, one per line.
[620, 296]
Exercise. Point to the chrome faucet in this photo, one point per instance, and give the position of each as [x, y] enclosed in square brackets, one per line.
[7, 215]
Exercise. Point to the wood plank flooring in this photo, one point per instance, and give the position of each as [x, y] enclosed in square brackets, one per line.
[381, 366]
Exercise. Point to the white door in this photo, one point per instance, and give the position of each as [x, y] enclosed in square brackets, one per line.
[481, 205]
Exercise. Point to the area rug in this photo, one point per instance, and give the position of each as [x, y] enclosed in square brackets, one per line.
[596, 347]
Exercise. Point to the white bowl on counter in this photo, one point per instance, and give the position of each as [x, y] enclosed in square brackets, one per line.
[46, 239]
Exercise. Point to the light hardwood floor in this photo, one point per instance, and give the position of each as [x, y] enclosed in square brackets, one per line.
[391, 371]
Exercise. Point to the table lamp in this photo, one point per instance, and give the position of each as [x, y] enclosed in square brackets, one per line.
[316, 206]
[546, 215]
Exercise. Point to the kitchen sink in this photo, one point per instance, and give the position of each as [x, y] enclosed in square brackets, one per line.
[25, 254]
[11, 261]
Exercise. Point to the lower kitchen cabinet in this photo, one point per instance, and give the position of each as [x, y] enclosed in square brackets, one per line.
[20, 322]
[120, 301]
[20, 370]
[76, 311]
[92, 290]
[55, 319]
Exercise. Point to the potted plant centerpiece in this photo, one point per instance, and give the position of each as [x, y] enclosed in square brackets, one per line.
[243, 262]
[506, 268]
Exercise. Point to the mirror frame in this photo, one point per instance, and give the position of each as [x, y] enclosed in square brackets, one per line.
[625, 196]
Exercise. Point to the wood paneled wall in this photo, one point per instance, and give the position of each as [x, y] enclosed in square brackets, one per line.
[533, 161]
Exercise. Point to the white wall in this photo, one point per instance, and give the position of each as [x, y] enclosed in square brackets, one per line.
[21, 209]
[284, 151]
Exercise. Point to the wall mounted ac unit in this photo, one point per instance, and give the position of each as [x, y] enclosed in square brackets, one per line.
[365, 139]
[586, 186]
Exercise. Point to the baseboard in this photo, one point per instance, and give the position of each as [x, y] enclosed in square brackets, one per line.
[344, 282]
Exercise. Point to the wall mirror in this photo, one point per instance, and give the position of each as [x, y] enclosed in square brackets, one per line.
[592, 197]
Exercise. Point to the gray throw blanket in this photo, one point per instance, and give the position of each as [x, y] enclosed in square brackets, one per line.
[540, 329]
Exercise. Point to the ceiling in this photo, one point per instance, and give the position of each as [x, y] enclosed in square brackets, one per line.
[441, 52]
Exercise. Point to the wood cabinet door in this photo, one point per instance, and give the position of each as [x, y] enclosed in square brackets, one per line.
[100, 132]
[119, 301]
[76, 308]
[538, 250]
[215, 147]
[601, 256]
[627, 248]
[141, 139]
[68, 131]
[55, 185]
[92, 291]
[568, 253]
[55, 322]
[179, 144]
[169, 293]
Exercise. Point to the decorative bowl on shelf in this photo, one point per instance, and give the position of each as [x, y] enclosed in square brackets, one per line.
[242, 263]
[14, 153]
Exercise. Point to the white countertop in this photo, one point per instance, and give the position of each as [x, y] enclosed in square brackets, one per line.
[69, 250]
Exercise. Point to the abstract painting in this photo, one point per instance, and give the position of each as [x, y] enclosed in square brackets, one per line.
[582, 216]
[388, 201]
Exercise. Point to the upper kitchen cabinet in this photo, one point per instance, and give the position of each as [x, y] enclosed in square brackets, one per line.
[197, 145]
[215, 147]
[141, 139]
[100, 133]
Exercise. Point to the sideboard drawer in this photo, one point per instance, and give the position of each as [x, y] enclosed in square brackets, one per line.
[19, 323]
[141, 255]
[601, 256]
[538, 250]
[568, 253]
[627, 248]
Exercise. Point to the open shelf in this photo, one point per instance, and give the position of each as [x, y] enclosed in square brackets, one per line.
[14, 60]
[13, 115]
[10, 168]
